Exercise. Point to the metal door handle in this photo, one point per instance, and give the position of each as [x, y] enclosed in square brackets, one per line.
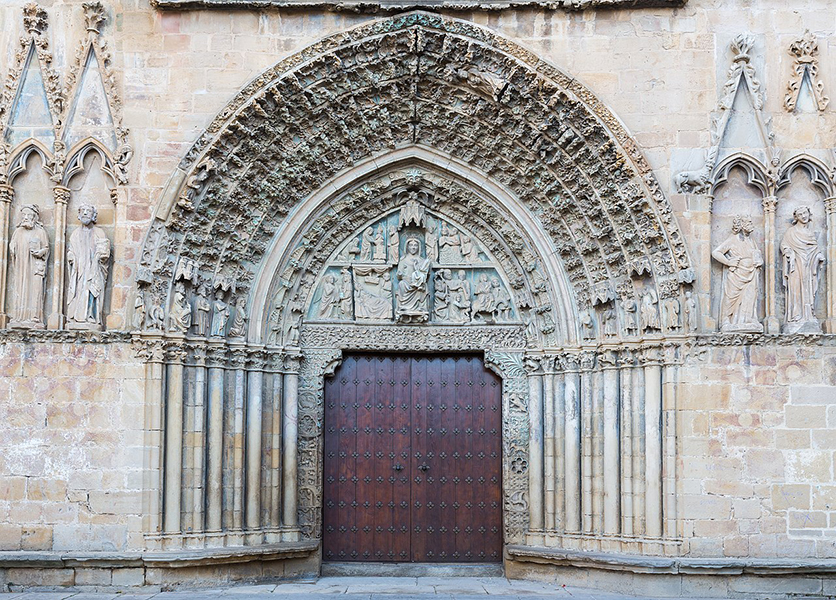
[398, 467]
[424, 467]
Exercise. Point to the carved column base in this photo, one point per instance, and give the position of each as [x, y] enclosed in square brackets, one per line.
[772, 325]
[84, 326]
[55, 321]
[25, 324]
[802, 327]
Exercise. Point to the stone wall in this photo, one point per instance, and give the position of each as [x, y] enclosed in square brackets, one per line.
[72, 447]
[756, 421]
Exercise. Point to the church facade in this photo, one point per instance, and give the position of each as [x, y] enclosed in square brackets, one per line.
[545, 286]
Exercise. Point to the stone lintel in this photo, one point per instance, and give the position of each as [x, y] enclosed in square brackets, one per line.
[397, 5]
[635, 563]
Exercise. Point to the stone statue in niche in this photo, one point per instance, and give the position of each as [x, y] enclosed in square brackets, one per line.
[29, 251]
[329, 302]
[239, 321]
[483, 304]
[608, 321]
[203, 307]
[671, 313]
[413, 272]
[587, 326]
[220, 314]
[431, 242]
[367, 242]
[690, 309]
[87, 255]
[802, 262]
[449, 246]
[373, 293]
[394, 244]
[742, 261]
[649, 311]
[180, 314]
[379, 252]
[630, 309]
[294, 320]
[501, 301]
[156, 316]
[470, 251]
[139, 311]
[441, 305]
[345, 295]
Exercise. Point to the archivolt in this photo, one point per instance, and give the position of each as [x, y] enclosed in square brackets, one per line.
[419, 80]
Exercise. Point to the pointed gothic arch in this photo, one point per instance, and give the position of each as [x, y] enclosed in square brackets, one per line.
[478, 132]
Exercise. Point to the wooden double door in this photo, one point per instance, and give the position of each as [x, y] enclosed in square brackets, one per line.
[413, 460]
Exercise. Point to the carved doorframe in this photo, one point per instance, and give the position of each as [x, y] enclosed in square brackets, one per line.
[503, 348]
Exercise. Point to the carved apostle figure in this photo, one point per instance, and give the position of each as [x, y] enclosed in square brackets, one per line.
[239, 321]
[394, 243]
[203, 307]
[87, 255]
[431, 242]
[441, 294]
[671, 309]
[29, 251]
[631, 326]
[138, 321]
[449, 246]
[742, 261]
[470, 251]
[220, 314]
[609, 321]
[379, 253]
[483, 304]
[367, 245]
[180, 315]
[649, 311]
[587, 325]
[330, 299]
[690, 308]
[345, 294]
[802, 262]
[413, 271]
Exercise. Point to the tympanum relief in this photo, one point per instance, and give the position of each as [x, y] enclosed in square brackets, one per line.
[412, 266]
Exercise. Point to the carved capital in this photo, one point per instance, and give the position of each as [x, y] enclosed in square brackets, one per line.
[293, 361]
[149, 349]
[176, 352]
[507, 365]
[216, 355]
[61, 195]
[830, 205]
[568, 362]
[627, 357]
[587, 360]
[769, 203]
[651, 356]
[608, 359]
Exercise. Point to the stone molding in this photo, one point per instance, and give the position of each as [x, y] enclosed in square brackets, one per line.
[634, 563]
[361, 6]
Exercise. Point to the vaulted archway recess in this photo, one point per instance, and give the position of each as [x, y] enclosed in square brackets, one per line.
[417, 113]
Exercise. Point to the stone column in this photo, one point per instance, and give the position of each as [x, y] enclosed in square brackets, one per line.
[216, 361]
[62, 197]
[572, 442]
[255, 386]
[173, 441]
[830, 209]
[638, 430]
[535, 442]
[587, 364]
[150, 349]
[276, 444]
[290, 414]
[626, 396]
[612, 472]
[234, 416]
[772, 324]
[669, 416]
[7, 195]
[651, 359]
[558, 452]
[548, 442]
[198, 443]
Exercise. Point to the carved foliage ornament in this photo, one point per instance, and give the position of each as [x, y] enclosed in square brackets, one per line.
[806, 64]
[592, 182]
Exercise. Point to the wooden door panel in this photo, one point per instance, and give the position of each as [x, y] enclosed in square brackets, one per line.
[412, 460]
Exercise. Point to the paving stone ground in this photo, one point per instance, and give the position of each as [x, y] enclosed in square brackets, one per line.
[358, 588]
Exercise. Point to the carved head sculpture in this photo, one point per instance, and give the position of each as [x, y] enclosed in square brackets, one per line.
[87, 214]
[413, 246]
[802, 215]
[179, 289]
[462, 275]
[30, 216]
[742, 224]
